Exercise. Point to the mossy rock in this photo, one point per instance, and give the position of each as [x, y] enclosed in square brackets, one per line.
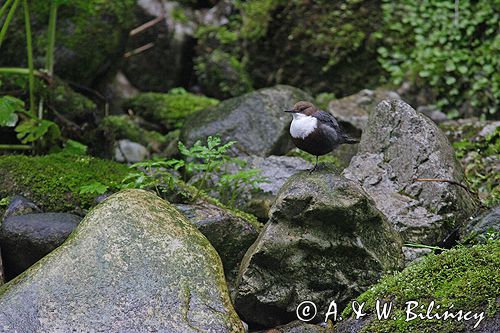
[468, 278]
[170, 109]
[133, 264]
[90, 36]
[53, 182]
[123, 127]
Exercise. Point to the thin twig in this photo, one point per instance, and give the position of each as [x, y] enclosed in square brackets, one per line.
[138, 50]
[146, 25]
[445, 181]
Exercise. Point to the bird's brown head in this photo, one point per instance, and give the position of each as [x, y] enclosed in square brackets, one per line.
[303, 107]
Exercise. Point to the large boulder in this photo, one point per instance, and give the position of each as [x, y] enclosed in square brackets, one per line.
[25, 239]
[255, 120]
[457, 281]
[398, 146]
[325, 241]
[230, 233]
[133, 264]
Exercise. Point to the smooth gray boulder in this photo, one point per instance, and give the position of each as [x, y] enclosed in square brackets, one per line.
[255, 120]
[229, 233]
[398, 146]
[325, 241]
[25, 239]
[134, 264]
[130, 152]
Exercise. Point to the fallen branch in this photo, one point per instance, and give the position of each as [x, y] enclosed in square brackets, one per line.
[146, 25]
[138, 50]
[445, 181]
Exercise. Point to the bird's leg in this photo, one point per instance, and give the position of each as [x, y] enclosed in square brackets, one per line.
[315, 166]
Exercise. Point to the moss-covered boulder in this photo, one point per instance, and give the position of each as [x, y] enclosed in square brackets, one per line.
[90, 37]
[316, 45]
[168, 110]
[325, 240]
[133, 264]
[398, 147]
[124, 127]
[54, 181]
[256, 121]
[460, 279]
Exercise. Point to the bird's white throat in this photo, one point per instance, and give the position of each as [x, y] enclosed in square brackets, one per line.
[302, 125]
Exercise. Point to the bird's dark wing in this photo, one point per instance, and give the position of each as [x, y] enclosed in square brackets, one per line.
[328, 120]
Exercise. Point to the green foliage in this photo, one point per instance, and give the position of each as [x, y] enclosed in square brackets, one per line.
[9, 107]
[73, 147]
[152, 174]
[94, 188]
[481, 176]
[170, 109]
[54, 181]
[205, 161]
[124, 127]
[453, 50]
[4, 201]
[468, 278]
[33, 129]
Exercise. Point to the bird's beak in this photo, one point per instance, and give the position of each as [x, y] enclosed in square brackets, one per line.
[291, 111]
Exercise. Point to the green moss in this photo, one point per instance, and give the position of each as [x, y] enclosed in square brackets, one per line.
[123, 127]
[468, 278]
[328, 160]
[54, 181]
[170, 109]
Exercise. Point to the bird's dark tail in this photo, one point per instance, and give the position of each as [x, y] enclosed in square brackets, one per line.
[350, 140]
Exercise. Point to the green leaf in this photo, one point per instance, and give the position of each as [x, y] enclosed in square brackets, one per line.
[450, 80]
[9, 106]
[33, 129]
[94, 188]
[73, 147]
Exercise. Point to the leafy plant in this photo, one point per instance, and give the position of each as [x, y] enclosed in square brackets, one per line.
[231, 186]
[94, 188]
[152, 174]
[449, 46]
[479, 172]
[73, 147]
[200, 160]
[9, 107]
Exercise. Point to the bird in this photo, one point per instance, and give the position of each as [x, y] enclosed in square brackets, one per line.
[316, 132]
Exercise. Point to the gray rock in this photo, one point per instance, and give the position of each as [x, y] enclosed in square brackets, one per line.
[231, 235]
[128, 151]
[25, 239]
[325, 241]
[433, 112]
[275, 170]
[255, 120]
[353, 111]
[19, 205]
[297, 326]
[483, 227]
[2, 278]
[414, 254]
[398, 146]
[134, 264]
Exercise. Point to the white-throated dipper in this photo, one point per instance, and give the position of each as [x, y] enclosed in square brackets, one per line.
[316, 132]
